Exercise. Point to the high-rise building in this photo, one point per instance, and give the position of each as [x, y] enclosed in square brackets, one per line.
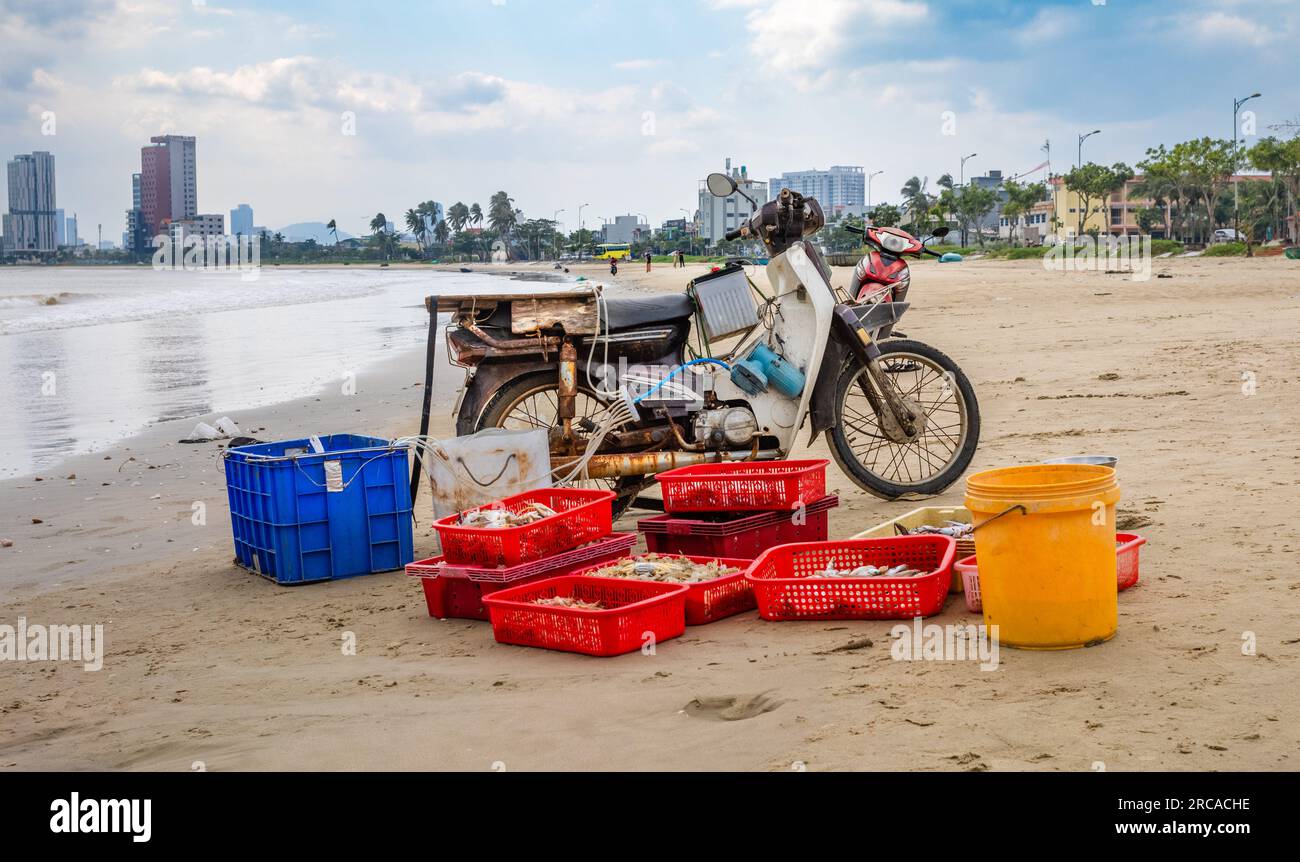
[29, 225]
[168, 181]
[720, 215]
[136, 237]
[70, 231]
[241, 220]
[60, 228]
[842, 187]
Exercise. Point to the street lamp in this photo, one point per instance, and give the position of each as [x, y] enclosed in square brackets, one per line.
[690, 234]
[1079, 163]
[1236, 194]
[964, 159]
[870, 177]
[555, 226]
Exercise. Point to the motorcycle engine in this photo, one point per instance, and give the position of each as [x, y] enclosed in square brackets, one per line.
[728, 426]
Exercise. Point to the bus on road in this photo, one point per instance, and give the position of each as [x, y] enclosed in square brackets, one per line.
[613, 251]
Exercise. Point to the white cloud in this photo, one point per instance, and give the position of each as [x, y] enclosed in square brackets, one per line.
[1225, 29]
[804, 39]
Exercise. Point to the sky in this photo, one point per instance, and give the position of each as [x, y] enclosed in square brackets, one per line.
[316, 110]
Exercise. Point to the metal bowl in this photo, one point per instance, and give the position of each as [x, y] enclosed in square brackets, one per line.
[1100, 460]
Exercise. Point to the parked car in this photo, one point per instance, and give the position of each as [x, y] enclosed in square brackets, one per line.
[1227, 234]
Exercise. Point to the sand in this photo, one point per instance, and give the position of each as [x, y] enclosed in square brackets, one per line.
[207, 664]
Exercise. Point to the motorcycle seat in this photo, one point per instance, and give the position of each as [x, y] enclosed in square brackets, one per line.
[629, 312]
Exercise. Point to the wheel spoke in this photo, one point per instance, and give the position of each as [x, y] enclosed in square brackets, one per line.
[926, 385]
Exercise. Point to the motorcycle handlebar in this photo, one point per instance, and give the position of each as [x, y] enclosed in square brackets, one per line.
[732, 234]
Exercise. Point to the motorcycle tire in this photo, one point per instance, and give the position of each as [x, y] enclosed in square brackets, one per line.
[842, 440]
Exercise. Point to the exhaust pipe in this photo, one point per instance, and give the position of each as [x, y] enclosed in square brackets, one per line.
[614, 466]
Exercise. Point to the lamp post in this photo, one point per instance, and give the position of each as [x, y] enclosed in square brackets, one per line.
[690, 234]
[580, 227]
[1079, 161]
[962, 172]
[1236, 194]
[555, 226]
[870, 177]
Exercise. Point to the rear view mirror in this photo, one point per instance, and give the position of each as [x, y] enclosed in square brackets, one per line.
[940, 232]
[720, 185]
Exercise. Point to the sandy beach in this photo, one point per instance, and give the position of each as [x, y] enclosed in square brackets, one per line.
[1192, 380]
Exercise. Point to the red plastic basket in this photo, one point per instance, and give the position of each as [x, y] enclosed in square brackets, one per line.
[583, 515]
[461, 598]
[1126, 569]
[784, 590]
[970, 583]
[1126, 559]
[613, 545]
[634, 609]
[706, 601]
[450, 594]
[734, 486]
[739, 536]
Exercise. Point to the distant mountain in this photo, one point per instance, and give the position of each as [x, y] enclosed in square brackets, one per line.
[303, 231]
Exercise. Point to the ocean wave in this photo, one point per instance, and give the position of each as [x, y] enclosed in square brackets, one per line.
[38, 299]
[67, 310]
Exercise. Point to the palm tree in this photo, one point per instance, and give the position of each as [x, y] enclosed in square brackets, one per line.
[458, 216]
[440, 232]
[415, 224]
[917, 201]
[378, 223]
[333, 228]
[501, 212]
[475, 215]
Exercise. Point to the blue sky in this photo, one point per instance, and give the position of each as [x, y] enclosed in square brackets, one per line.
[622, 105]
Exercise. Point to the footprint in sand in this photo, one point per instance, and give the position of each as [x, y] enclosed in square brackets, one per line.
[732, 707]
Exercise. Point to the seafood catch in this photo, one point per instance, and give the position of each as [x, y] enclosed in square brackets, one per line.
[665, 569]
[499, 519]
[899, 571]
[567, 602]
[951, 529]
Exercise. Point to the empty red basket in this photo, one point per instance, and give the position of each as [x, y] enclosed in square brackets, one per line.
[583, 515]
[735, 486]
[706, 601]
[636, 613]
[785, 590]
[735, 535]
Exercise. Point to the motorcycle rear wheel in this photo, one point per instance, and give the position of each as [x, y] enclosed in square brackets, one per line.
[938, 456]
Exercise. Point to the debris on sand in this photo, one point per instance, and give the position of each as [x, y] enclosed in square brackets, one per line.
[1126, 521]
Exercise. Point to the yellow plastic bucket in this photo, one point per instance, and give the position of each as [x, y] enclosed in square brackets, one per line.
[1045, 539]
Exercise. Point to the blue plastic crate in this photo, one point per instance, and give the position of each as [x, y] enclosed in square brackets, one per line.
[299, 516]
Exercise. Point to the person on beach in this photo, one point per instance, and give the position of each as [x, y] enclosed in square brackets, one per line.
[647, 260]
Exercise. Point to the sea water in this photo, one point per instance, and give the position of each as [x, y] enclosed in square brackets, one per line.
[92, 355]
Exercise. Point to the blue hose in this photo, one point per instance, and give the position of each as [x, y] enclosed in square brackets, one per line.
[671, 374]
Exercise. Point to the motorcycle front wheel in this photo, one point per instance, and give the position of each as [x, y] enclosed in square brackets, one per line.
[877, 457]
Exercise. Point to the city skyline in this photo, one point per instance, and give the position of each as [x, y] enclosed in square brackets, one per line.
[338, 113]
